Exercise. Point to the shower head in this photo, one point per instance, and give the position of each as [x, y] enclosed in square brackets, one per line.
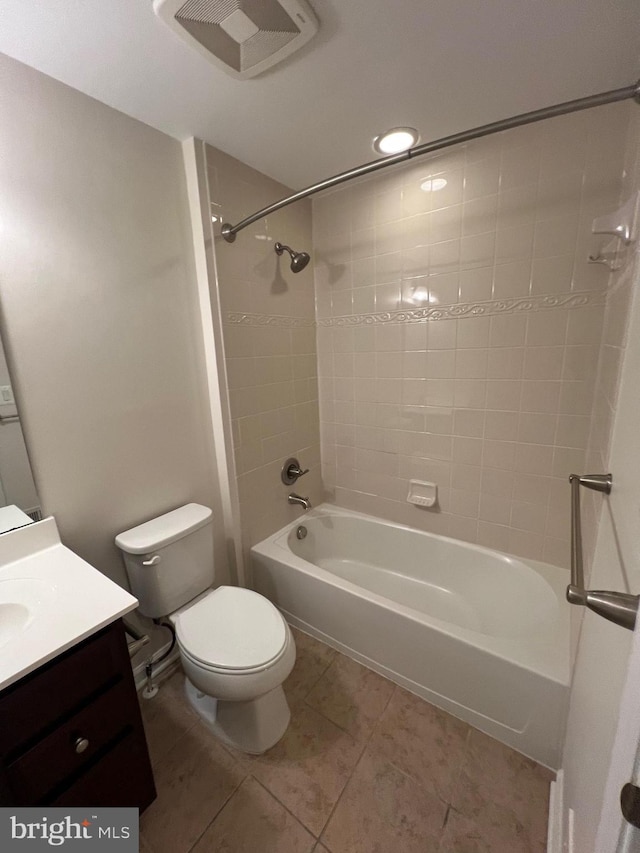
[299, 260]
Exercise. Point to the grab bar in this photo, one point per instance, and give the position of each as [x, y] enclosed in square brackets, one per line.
[618, 607]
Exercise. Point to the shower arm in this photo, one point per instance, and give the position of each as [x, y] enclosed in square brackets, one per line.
[229, 231]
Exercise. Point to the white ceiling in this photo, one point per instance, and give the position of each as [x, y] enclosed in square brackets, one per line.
[438, 65]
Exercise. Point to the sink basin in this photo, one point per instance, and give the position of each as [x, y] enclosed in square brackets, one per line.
[21, 600]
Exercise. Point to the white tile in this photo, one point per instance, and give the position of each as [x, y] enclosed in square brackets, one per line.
[508, 330]
[511, 279]
[516, 207]
[471, 364]
[501, 426]
[472, 332]
[444, 257]
[548, 328]
[467, 451]
[446, 224]
[442, 334]
[552, 275]
[495, 509]
[520, 166]
[504, 394]
[443, 289]
[505, 362]
[542, 362]
[514, 243]
[497, 482]
[452, 193]
[534, 459]
[528, 516]
[481, 178]
[537, 427]
[469, 422]
[476, 285]
[479, 215]
[477, 251]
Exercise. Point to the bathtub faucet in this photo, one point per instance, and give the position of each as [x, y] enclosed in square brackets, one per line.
[296, 499]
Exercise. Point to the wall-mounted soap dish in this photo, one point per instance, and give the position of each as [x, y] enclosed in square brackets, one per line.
[621, 223]
[622, 226]
[422, 493]
[609, 255]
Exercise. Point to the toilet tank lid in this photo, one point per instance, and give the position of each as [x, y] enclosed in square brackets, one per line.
[164, 529]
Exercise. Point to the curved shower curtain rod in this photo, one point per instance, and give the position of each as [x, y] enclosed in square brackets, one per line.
[229, 231]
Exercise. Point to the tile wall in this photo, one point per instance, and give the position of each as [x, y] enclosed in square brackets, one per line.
[269, 342]
[459, 331]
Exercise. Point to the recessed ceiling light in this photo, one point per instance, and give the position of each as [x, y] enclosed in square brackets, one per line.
[432, 185]
[396, 140]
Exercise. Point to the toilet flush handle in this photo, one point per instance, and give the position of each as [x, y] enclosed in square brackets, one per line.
[153, 561]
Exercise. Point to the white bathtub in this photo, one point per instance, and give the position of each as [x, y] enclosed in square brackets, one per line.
[480, 634]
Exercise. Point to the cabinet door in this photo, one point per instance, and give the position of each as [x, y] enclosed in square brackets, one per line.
[71, 747]
[121, 778]
[37, 702]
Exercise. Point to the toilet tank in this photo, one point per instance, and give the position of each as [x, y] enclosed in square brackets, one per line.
[169, 560]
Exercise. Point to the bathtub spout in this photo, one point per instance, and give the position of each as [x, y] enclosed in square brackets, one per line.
[296, 499]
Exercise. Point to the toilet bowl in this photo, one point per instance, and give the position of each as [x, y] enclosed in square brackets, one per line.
[236, 650]
[235, 647]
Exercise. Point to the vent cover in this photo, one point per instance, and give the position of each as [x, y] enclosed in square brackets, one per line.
[243, 37]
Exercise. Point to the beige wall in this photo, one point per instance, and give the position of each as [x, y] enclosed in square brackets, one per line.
[267, 317]
[459, 331]
[99, 315]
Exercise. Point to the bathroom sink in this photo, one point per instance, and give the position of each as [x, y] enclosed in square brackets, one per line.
[21, 601]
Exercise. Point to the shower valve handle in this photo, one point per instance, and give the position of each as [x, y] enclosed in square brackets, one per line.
[291, 471]
[294, 471]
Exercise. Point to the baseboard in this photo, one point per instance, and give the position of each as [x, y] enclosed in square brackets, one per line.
[555, 829]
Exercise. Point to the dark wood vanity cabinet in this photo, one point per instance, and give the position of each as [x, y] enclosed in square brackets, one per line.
[71, 732]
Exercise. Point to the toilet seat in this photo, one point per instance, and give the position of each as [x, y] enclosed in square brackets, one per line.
[231, 630]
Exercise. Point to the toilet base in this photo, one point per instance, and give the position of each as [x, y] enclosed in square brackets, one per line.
[252, 726]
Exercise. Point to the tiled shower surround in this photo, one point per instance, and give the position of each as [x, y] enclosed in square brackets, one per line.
[269, 343]
[459, 330]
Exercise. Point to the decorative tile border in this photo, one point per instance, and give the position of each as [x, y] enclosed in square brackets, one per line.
[238, 318]
[515, 305]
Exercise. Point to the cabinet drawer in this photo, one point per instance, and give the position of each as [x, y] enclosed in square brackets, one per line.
[121, 778]
[34, 704]
[49, 763]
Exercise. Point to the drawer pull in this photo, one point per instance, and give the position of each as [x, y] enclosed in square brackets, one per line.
[80, 744]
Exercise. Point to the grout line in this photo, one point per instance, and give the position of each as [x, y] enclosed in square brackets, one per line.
[215, 816]
[320, 677]
[284, 806]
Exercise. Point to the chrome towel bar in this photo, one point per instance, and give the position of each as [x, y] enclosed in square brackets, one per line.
[618, 607]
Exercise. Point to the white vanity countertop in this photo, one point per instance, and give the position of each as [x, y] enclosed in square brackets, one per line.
[50, 599]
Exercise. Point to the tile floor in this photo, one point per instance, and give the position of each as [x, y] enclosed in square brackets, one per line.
[365, 767]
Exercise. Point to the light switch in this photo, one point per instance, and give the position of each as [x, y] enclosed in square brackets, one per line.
[6, 395]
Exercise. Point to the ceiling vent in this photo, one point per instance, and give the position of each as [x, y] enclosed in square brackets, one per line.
[243, 37]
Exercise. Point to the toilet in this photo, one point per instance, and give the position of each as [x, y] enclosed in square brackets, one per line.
[235, 646]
